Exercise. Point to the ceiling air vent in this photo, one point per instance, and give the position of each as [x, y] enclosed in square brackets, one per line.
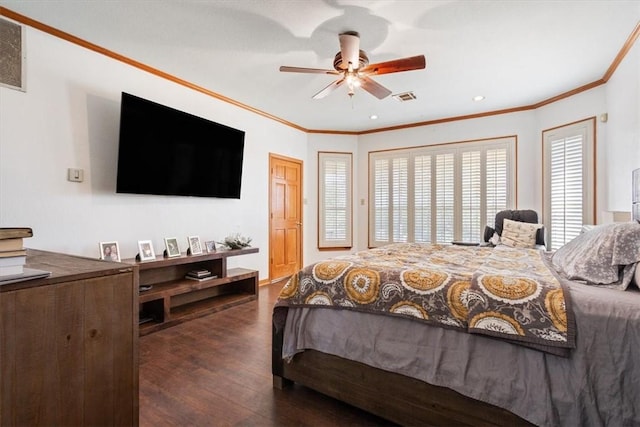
[405, 96]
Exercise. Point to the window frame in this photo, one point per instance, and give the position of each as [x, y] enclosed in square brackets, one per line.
[588, 128]
[325, 243]
[510, 143]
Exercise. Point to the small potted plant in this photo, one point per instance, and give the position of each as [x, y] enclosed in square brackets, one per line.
[236, 241]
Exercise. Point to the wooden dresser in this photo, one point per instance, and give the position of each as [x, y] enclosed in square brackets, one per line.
[69, 344]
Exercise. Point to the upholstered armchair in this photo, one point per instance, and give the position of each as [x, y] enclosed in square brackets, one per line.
[522, 215]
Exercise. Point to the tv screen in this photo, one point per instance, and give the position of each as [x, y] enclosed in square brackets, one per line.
[165, 151]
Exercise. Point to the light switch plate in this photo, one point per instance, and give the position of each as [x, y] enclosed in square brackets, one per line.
[75, 175]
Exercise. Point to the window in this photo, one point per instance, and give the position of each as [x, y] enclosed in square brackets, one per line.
[440, 193]
[334, 200]
[569, 185]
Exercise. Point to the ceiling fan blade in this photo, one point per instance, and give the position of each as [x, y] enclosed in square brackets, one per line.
[395, 66]
[375, 89]
[307, 70]
[327, 90]
[350, 49]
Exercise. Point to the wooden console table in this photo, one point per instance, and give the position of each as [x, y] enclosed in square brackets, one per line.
[173, 299]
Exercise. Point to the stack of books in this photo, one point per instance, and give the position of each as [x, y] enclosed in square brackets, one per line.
[200, 275]
[13, 256]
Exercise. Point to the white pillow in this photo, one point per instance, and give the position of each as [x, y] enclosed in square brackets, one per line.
[495, 239]
[519, 234]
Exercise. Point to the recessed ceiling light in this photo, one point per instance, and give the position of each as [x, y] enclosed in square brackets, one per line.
[373, 116]
[478, 98]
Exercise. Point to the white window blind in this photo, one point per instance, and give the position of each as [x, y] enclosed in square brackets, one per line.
[569, 185]
[422, 198]
[444, 197]
[334, 200]
[497, 176]
[471, 195]
[381, 200]
[440, 193]
[400, 200]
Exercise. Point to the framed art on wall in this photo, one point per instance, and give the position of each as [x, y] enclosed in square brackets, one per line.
[12, 46]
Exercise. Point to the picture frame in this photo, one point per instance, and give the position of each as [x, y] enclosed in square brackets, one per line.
[195, 245]
[171, 246]
[145, 250]
[210, 245]
[109, 251]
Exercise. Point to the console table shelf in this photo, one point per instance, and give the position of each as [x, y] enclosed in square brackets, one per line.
[173, 299]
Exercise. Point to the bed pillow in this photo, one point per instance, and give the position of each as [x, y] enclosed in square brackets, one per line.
[605, 255]
[519, 234]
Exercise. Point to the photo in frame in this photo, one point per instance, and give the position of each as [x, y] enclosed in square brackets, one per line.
[195, 246]
[109, 251]
[145, 250]
[210, 245]
[171, 246]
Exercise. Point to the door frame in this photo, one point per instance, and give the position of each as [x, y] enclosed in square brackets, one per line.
[273, 156]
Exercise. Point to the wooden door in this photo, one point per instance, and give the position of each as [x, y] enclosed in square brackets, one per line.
[285, 225]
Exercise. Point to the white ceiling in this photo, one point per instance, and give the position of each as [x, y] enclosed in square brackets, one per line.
[515, 53]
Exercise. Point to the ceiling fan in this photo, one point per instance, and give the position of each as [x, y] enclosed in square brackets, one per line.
[352, 66]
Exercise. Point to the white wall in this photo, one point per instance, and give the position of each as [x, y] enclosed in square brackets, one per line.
[69, 117]
[622, 150]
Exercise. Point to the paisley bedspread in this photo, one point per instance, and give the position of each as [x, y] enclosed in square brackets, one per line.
[502, 292]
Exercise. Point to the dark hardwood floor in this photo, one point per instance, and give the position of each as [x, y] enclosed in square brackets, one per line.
[216, 371]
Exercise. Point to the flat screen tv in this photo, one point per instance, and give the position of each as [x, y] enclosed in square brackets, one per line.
[165, 151]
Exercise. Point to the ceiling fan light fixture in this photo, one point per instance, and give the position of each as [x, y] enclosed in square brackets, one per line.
[373, 117]
[478, 98]
[353, 80]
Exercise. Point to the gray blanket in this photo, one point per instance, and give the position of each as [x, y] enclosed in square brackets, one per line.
[599, 384]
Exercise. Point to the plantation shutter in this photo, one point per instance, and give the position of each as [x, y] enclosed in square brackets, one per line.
[441, 193]
[381, 201]
[471, 181]
[568, 182]
[334, 204]
[400, 190]
[497, 183]
[422, 199]
[444, 197]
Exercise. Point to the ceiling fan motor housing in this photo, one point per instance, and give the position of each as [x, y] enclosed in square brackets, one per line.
[363, 61]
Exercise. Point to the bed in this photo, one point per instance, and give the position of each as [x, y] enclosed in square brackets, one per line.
[471, 335]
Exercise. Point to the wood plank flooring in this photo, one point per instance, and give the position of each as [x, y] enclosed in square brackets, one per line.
[216, 371]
